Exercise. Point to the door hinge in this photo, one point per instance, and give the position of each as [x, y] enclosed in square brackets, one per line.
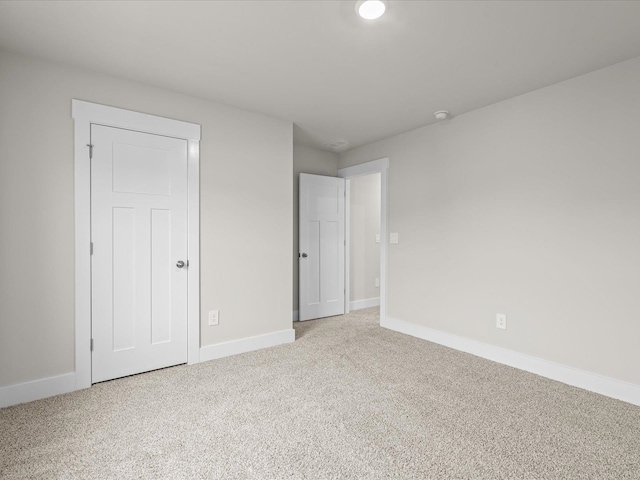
[90, 150]
[91, 345]
[91, 248]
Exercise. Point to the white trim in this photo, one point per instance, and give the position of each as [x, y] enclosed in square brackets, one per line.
[235, 347]
[141, 122]
[366, 168]
[82, 204]
[37, 389]
[366, 303]
[627, 392]
[193, 248]
[84, 114]
[376, 166]
[347, 245]
[69, 382]
[296, 315]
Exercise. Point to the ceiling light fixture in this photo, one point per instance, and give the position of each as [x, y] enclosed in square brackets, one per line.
[371, 9]
[441, 114]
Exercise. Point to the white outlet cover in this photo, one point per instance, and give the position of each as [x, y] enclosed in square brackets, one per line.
[214, 316]
[377, 238]
[501, 321]
[377, 282]
[394, 238]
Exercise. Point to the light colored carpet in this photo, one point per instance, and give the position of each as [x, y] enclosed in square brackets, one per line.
[348, 399]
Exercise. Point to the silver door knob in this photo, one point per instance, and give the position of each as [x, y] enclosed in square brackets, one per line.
[180, 264]
[304, 255]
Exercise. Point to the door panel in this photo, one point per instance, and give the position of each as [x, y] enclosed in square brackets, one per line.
[312, 263]
[141, 170]
[322, 249]
[330, 251]
[139, 232]
[124, 288]
[160, 276]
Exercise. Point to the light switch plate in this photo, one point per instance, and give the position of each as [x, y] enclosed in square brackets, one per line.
[377, 238]
[394, 238]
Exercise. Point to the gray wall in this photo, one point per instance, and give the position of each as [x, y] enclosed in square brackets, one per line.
[529, 207]
[317, 162]
[364, 252]
[246, 203]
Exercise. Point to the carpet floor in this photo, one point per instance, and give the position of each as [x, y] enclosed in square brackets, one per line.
[348, 399]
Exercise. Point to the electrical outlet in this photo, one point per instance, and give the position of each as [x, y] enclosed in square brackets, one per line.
[214, 316]
[394, 238]
[501, 321]
[377, 282]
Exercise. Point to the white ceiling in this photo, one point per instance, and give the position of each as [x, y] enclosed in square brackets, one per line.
[336, 76]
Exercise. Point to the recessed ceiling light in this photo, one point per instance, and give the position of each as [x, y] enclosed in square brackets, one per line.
[371, 9]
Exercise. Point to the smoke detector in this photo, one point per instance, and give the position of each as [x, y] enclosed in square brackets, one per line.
[441, 114]
[339, 145]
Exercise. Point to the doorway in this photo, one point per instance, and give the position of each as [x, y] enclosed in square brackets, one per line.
[369, 169]
[363, 195]
[324, 257]
[127, 205]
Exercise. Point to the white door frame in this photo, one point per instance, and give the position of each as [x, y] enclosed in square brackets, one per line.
[380, 166]
[85, 114]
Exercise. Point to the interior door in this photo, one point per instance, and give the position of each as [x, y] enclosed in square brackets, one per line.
[139, 259]
[322, 246]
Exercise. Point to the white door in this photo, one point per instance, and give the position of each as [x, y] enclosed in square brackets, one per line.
[139, 238]
[322, 246]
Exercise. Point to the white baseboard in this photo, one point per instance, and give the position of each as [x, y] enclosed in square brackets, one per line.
[37, 389]
[366, 303]
[212, 352]
[48, 387]
[296, 315]
[627, 392]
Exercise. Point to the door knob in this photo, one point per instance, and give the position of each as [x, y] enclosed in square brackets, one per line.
[180, 264]
[304, 255]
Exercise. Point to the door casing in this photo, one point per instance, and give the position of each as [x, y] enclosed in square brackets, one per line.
[85, 114]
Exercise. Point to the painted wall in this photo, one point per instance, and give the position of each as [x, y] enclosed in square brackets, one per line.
[529, 207]
[364, 254]
[246, 203]
[317, 162]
